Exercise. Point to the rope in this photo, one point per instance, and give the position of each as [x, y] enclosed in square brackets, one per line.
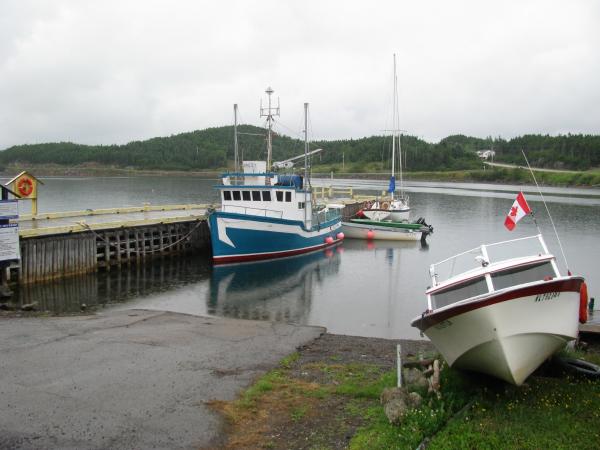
[547, 210]
[115, 244]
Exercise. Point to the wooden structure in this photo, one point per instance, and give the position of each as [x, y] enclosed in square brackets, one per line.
[25, 185]
[54, 245]
[53, 256]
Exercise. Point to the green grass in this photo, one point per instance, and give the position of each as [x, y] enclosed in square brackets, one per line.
[472, 411]
[557, 413]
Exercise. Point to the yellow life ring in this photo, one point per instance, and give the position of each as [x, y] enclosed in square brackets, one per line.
[385, 205]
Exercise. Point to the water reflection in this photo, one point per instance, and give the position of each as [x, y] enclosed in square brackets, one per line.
[94, 290]
[278, 290]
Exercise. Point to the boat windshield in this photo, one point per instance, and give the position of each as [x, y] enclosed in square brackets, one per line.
[520, 275]
[487, 254]
[453, 294]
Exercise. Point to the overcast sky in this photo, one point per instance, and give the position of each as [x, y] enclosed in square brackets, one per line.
[103, 72]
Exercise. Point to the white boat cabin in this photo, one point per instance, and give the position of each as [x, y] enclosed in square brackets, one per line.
[490, 276]
[257, 192]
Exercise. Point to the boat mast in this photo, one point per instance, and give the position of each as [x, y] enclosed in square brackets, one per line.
[269, 112]
[397, 127]
[236, 160]
[305, 159]
[394, 129]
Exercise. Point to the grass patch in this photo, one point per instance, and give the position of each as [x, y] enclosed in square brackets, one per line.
[557, 413]
[331, 404]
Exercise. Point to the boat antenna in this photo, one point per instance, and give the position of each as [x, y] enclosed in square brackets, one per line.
[548, 211]
[269, 112]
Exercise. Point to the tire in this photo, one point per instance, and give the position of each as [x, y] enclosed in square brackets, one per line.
[578, 367]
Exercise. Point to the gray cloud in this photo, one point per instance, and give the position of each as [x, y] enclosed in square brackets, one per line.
[115, 71]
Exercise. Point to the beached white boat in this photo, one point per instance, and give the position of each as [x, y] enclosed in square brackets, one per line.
[503, 317]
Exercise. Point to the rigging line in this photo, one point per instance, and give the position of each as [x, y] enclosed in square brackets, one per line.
[547, 210]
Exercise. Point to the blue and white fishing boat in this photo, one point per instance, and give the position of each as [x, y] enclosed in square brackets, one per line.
[265, 214]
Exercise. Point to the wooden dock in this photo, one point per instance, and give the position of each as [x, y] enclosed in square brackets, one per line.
[54, 245]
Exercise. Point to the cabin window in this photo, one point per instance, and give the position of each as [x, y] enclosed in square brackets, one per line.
[266, 195]
[463, 291]
[300, 205]
[279, 195]
[288, 196]
[256, 196]
[520, 275]
[236, 195]
[226, 195]
[246, 196]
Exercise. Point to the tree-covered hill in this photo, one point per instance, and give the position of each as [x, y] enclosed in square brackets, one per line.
[212, 149]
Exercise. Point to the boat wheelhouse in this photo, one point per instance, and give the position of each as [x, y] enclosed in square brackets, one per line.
[503, 317]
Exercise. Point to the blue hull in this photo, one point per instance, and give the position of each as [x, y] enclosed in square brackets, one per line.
[239, 237]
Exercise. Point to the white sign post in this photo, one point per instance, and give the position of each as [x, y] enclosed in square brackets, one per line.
[9, 242]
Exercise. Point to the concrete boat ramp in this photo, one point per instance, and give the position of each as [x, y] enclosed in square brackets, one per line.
[129, 379]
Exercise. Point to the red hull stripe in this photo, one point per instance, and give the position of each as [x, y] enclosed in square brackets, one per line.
[426, 321]
[259, 256]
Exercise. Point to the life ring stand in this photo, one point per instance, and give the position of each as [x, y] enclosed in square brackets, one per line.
[25, 186]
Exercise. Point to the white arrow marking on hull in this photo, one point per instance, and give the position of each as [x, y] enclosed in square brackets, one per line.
[222, 233]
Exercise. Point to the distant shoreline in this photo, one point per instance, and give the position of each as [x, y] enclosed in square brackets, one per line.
[501, 175]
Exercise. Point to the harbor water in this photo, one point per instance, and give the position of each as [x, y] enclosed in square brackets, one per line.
[358, 288]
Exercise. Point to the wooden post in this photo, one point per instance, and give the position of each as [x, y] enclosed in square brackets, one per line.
[4, 289]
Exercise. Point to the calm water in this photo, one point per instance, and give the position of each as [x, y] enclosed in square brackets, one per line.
[359, 288]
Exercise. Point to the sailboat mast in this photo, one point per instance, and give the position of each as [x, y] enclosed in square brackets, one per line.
[397, 128]
[394, 127]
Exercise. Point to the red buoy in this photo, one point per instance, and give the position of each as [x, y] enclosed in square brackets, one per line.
[370, 234]
[583, 303]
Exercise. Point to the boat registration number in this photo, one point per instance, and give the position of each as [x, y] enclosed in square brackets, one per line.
[546, 296]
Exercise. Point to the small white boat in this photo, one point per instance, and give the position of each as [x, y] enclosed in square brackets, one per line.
[504, 317]
[386, 230]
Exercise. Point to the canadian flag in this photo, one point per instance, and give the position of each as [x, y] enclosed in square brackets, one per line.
[519, 209]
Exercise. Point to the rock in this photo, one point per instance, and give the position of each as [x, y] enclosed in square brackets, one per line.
[414, 378]
[415, 400]
[395, 410]
[389, 394]
[30, 307]
[397, 402]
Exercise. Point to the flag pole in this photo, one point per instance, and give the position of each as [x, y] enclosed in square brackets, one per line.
[548, 211]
